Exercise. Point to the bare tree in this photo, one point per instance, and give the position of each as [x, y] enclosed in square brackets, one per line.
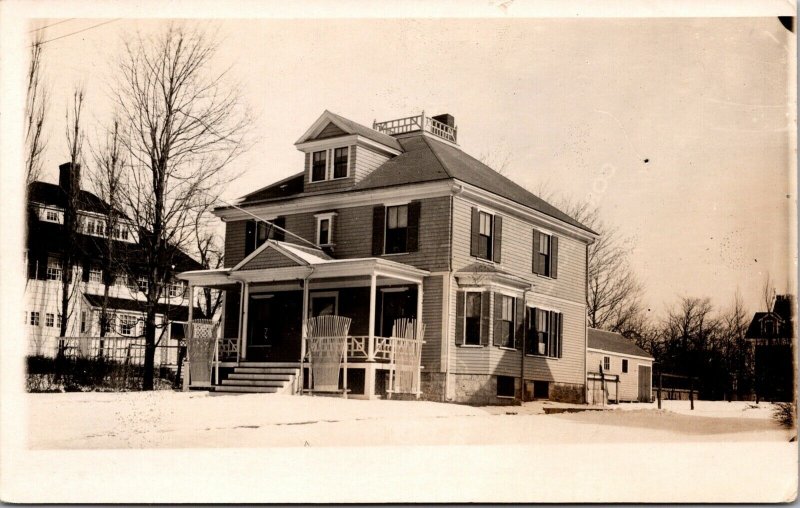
[75, 137]
[106, 178]
[497, 159]
[184, 127]
[36, 102]
[768, 293]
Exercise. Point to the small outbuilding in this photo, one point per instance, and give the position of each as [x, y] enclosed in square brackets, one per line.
[626, 368]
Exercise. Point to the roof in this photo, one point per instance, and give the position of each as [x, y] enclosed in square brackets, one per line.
[53, 195]
[175, 313]
[423, 159]
[352, 127]
[614, 343]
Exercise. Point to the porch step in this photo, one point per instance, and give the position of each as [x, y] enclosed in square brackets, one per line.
[261, 377]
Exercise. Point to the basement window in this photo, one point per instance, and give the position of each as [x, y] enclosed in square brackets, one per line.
[505, 386]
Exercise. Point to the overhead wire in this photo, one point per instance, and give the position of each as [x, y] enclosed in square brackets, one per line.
[78, 31]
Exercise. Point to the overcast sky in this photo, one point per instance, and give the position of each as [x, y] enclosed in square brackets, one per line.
[676, 128]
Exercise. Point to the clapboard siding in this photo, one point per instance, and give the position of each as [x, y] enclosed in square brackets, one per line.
[517, 254]
[269, 258]
[234, 242]
[432, 318]
[366, 161]
[570, 368]
[628, 382]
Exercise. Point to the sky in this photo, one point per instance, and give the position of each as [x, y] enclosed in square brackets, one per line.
[678, 129]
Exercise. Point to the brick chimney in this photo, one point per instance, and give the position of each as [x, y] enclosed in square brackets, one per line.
[69, 177]
[445, 119]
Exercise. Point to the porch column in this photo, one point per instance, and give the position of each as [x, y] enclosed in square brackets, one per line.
[245, 314]
[240, 334]
[418, 386]
[303, 333]
[371, 338]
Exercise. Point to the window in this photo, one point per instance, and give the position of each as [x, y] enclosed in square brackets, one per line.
[545, 254]
[504, 326]
[175, 289]
[127, 325]
[396, 229]
[262, 233]
[340, 162]
[324, 304]
[95, 275]
[624, 366]
[318, 166]
[325, 228]
[505, 386]
[49, 319]
[58, 320]
[120, 232]
[52, 216]
[53, 269]
[486, 235]
[606, 363]
[472, 319]
[545, 333]
[34, 318]
[89, 228]
[142, 284]
[83, 321]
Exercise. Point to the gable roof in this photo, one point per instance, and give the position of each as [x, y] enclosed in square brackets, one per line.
[614, 343]
[349, 127]
[53, 195]
[290, 254]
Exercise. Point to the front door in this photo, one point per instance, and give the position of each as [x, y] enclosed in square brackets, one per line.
[274, 327]
[645, 383]
[396, 305]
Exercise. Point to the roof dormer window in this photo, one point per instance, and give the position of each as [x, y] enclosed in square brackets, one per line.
[340, 162]
[318, 166]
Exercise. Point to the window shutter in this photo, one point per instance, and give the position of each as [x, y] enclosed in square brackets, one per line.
[532, 337]
[485, 311]
[497, 238]
[460, 302]
[278, 234]
[550, 333]
[554, 257]
[474, 246]
[378, 224]
[560, 333]
[536, 239]
[249, 237]
[519, 314]
[85, 271]
[414, 209]
[498, 313]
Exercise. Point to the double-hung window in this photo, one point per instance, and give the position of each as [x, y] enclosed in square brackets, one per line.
[545, 333]
[51, 216]
[545, 254]
[485, 235]
[472, 319]
[95, 275]
[34, 318]
[319, 165]
[175, 289]
[340, 162]
[396, 229]
[49, 319]
[53, 269]
[504, 326]
[325, 228]
[127, 325]
[142, 284]
[606, 363]
[624, 366]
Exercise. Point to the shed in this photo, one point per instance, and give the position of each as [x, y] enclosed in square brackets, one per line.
[618, 356]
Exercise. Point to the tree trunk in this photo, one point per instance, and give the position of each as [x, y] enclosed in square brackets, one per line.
[149, 349]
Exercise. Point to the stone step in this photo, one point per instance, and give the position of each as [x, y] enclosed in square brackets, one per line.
[252, 382]
[276, 377]
[294, 365]
[246, 389]
[266, 370]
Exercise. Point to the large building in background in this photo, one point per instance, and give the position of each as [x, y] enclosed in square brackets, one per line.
[772, 335]
[45, 244]
[396, 221]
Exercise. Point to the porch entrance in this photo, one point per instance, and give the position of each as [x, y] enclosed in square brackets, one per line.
[275, 326]
[396, 303]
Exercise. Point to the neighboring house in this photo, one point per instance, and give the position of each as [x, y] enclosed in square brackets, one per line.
[772, 335]
[45, 245]
[397, 221]
[614, 355]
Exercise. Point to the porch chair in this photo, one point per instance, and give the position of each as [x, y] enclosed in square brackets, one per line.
[200, 350]
[405, 356]
[326, 340]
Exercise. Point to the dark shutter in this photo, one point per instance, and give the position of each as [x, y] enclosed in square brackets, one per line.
[554, 256]
[85, 271]
[519, 314]
[498, 312]
[536, 239]
[460, 297]
[249, 237]
[378, 226]
[497, 238]
[551, 333]
[534, 326]
[474, 243]
[560, 332]
[414, 209]
[485, 312]
[278, 234]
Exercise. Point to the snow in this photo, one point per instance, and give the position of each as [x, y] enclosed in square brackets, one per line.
[377, 450]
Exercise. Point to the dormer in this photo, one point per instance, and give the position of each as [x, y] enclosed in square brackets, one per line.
[339, 153]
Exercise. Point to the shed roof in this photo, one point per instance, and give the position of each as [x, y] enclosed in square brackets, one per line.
[614, 343]
[174, 312]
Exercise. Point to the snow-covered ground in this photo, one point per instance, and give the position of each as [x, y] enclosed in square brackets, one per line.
[719, 452]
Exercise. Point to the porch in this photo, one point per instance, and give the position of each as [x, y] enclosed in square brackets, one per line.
[263, 323]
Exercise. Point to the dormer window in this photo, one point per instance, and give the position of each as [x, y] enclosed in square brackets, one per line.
[318, 166]
[340, 162]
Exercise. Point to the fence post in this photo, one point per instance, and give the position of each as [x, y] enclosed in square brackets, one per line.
[691, 393]
[660, 383]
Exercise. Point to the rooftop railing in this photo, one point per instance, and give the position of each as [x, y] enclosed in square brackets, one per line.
[417, 123]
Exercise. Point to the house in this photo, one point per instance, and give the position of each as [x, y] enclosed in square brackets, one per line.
[618, 358]
[45, 245]
[772, 335]
[396, 221]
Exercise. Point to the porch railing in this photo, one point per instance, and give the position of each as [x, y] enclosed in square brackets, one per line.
[417, 123]
[358, 347]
